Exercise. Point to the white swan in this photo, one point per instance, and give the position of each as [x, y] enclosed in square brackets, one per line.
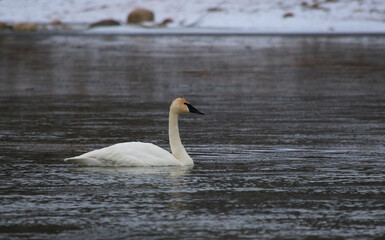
[138, 154]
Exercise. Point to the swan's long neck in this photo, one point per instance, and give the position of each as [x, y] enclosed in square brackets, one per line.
[177, 148]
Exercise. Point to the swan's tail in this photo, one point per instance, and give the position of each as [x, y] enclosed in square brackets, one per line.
[83, 161]
[73, 159]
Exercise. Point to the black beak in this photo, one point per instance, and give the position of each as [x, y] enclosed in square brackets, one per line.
[193, 109]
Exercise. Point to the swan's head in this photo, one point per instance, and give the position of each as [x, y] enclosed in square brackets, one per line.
[181, 106]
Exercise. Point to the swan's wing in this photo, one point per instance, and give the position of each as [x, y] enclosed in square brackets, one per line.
[130, 154]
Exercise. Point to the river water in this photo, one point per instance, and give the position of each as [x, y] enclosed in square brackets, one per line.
[291, 145]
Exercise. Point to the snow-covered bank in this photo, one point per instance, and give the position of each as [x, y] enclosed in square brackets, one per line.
[264, 16]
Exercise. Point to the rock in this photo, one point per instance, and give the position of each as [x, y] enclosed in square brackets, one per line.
[24, 27]
[104, 23]
[165, 22]
[140, 15]
[5, 26]
[214, 9]
[157, 25]
[56, 22]
[59, 25]
[287, 15]
[314, 6]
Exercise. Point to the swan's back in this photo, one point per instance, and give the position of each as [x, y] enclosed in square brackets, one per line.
[129, 154]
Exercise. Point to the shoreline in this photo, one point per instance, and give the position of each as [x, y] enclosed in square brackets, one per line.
[194, 32]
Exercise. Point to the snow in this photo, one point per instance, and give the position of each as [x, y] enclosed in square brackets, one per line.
[208, 16]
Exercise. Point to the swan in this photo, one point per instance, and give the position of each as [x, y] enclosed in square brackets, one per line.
[139, 154]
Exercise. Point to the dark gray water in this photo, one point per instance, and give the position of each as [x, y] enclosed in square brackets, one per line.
[291, 146]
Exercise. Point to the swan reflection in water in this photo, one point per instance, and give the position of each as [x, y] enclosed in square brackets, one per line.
[167, 171]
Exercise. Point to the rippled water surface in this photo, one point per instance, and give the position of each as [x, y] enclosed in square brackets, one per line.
[291, 146]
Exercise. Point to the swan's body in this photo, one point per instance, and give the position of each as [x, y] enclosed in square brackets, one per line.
[133, 154]
[138, 154]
